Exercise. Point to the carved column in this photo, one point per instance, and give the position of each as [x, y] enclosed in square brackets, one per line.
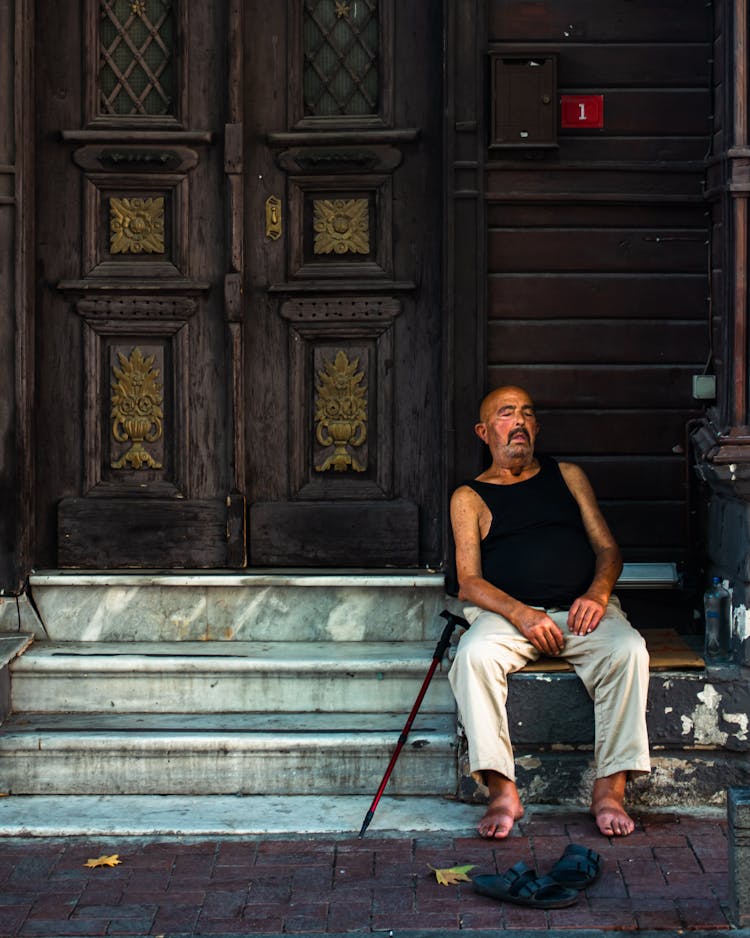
[722, 441]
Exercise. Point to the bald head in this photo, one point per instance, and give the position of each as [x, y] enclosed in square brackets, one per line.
[494, 400]
[508, 425]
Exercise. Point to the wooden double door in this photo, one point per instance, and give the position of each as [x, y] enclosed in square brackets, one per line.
[239, 355]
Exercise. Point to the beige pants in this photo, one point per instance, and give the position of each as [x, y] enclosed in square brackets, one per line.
[612, 662]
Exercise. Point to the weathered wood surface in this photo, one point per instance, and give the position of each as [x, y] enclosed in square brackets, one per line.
[98, 532]
[624, 296]
[592, 261]
[598, 254]
[404, 378]
[616, 21]
[318, 534]
[73, 415]
[9, 464]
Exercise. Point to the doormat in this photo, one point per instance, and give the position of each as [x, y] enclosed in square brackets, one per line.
[669, 651]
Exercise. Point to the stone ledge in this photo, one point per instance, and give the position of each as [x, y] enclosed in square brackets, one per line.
[688, 778]
[233, 579]
[17, 615]
[13, 645]
[227, 815]
[10, 647]
[108, 757]
[269, 606]
[225, 677]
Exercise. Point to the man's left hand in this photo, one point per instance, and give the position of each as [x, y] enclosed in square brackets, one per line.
[585, 614]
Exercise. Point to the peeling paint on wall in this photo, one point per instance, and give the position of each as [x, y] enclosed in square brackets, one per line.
[529, 762]
[705, 718]
[741, 719]
[675, 781]
[740, 623]
[699, 726]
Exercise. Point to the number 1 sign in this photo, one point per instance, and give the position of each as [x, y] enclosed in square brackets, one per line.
[581, 110]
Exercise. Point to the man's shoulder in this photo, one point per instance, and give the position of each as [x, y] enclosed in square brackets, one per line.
[467, 508]
[576, 480]
[465, 489]
[570, 469]
[467, 500]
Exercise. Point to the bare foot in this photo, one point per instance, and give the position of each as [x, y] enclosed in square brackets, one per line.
[503, 810]
[607, 806]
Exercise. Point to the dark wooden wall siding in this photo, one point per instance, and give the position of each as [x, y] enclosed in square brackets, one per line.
[722, 272]
[598, 254]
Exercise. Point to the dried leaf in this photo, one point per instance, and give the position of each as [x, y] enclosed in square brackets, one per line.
[113, 860]
[453, 875]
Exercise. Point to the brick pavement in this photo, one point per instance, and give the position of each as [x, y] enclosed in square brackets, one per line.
[671, 874]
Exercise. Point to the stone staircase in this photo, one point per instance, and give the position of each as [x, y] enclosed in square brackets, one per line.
[236, 684]
[298, 684]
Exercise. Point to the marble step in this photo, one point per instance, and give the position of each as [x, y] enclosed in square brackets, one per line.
[222, 677]
[267, 605]
[281, 816]
[253, 604]
[275, 816]
[220, 754]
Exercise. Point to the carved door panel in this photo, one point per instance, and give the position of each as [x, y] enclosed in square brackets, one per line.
[132, 402]
[341, 306]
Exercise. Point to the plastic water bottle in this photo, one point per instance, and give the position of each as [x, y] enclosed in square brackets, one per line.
[718, 646]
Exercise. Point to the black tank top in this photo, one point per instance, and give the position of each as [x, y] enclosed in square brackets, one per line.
[536, 549]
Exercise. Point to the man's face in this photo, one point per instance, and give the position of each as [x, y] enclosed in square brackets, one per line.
[508, 424]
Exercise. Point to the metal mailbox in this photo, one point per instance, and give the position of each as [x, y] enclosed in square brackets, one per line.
[524, 99]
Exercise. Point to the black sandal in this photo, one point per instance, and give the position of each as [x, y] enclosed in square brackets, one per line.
[577, 868]
[521, 886]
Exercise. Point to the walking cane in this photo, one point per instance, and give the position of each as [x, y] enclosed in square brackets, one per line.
[437, 657]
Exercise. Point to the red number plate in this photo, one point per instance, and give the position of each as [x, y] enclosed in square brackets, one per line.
[582, 110]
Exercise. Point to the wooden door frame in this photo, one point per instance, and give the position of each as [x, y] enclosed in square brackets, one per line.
[17, 525]
[464, 235]
[233, 281]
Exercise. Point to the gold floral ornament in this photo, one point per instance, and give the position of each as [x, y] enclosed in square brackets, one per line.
[137, 414]
[341, 226]
[342, 9]
[138, 7]
[341, 412]
[136, 226]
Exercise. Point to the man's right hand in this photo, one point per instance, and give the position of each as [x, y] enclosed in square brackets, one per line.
[536, 626]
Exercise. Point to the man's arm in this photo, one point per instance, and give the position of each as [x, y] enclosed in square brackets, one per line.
[468, 511]
[587, 611]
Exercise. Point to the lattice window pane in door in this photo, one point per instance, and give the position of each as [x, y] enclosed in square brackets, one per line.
[341, 57]
[136, 58]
